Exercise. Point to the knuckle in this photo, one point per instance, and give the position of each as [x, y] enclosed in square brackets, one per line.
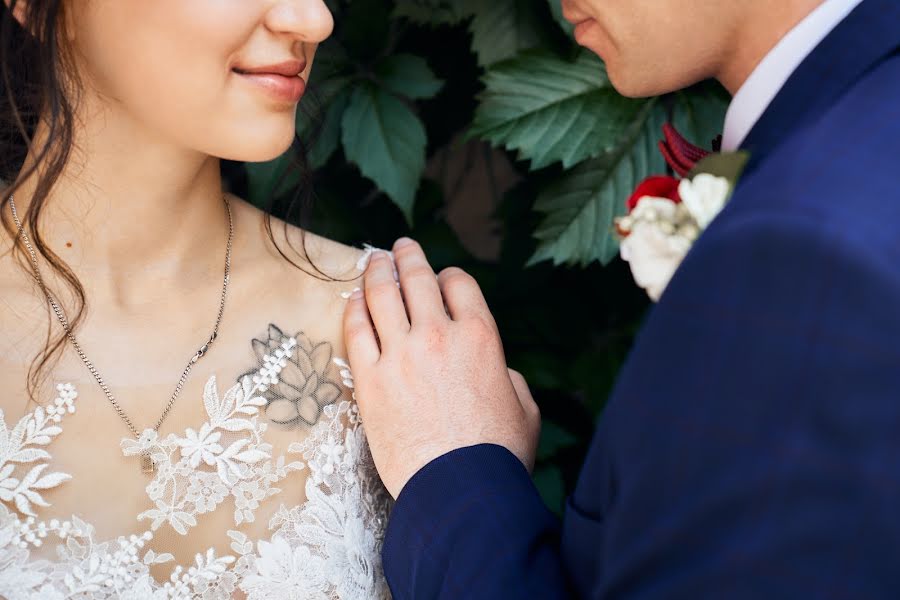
[355, 333]
[381, 290]
[430, 338]
[434, 337]
[481, 328]
[534, 411]
[455, 276]
[417, 271]
[379, 269]
[354, 329]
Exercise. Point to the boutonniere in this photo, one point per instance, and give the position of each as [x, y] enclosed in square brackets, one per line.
[667, 214]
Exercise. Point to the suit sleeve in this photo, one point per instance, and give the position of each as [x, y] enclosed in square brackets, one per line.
[755, 433]
[472, 525]
[751, 448]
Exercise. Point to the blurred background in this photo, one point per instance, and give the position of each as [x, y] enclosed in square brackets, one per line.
[480, 129]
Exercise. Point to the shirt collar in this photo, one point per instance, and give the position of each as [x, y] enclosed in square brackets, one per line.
[767, 79]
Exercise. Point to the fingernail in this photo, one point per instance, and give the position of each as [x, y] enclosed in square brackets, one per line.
[402, 242]
[357, 294]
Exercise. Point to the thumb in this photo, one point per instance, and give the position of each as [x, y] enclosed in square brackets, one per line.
[522, 389]
[532, 416]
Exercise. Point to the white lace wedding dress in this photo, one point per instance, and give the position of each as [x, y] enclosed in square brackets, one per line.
[240, 505]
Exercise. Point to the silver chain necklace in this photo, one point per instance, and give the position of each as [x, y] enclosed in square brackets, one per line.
[147, 465]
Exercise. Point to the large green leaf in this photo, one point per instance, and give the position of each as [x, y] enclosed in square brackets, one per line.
[329, 135]
[503, 28]
[264, 177]
[386, 140]
[580, 208]
[319, 118]
[553, 439]
[700, 112]
[409, 76]
[550, 110]
[556, 9]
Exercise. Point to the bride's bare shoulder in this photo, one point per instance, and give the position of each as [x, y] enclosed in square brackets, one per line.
[292, 252]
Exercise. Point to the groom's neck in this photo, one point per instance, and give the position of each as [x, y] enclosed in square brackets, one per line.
[767, 22]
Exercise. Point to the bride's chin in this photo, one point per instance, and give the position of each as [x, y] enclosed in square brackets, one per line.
[259, 144]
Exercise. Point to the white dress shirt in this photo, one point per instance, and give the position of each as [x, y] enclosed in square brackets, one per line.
[770, 75]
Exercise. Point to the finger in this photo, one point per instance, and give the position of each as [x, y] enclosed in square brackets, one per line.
[359, 334]
[524, 394]
[384, 299]
[421, 292]
[532, 416]
[461, 294]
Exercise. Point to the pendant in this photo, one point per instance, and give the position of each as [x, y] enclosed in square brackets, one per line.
[147, 464]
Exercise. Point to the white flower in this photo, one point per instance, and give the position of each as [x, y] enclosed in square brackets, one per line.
[355, 559]
[141, 445]
[142, 589]
[653, 255]
[201, 446]
[285, 572]
[704, 196]
[247, 494]
[659, 232]
[206, 492]
[330, 457]
[655, 209]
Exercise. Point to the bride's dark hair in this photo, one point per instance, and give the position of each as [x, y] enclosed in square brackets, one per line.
[38, 78]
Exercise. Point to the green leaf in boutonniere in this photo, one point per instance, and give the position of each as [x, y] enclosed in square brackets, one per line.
[729, 165]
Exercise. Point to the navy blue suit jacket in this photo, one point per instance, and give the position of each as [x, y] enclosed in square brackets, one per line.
[751, 448]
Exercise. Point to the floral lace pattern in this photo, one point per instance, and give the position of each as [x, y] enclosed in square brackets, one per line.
[325, 548]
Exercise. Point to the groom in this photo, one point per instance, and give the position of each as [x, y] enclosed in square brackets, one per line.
[751, 448]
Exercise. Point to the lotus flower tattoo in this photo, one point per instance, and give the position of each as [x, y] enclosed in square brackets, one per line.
[302, 386]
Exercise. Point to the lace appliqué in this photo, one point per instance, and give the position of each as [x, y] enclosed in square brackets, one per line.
[327, 548]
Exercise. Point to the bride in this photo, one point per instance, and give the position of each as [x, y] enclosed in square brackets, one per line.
[177, 417]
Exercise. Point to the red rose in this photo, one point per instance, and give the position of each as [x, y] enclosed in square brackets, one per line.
[659, 186]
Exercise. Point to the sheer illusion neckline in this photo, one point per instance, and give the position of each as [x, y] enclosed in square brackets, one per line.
[326, 545]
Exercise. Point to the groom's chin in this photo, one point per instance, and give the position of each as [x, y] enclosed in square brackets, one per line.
[629, 80]
[645, 79]
[630, 88]
[633, 83]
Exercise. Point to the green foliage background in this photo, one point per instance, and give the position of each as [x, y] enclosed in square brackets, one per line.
[402, 79]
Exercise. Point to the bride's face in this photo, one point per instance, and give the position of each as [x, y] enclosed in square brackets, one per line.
[652, 47]
[173, 67]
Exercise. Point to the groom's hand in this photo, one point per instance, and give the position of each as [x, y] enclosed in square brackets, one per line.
[430, 379]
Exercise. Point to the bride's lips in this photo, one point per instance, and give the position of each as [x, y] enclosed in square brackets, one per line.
[281, 81]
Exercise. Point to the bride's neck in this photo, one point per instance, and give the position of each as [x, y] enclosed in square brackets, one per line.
[129, 211]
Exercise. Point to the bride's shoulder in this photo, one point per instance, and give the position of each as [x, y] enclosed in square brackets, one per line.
[299, 256]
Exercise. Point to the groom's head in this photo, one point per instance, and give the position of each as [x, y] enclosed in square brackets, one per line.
[652, 47]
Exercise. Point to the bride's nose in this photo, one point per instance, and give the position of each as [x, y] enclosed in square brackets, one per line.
[308, 20]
